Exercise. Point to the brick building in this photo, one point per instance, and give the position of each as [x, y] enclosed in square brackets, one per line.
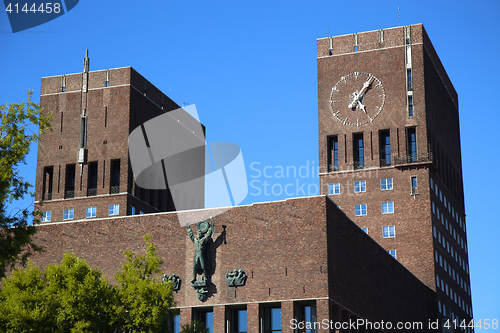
[83, 166]
[303, 258]
[391, 188]
[389, 151]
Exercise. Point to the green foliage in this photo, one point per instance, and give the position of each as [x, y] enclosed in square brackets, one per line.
[69, 297]
[73, 297]
[194, 327]
[146, 302]
[16, 138]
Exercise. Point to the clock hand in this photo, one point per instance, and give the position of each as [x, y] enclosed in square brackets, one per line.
[362, 107]
[358, 96]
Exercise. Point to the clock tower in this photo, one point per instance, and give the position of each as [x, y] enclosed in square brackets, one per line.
[389, 153]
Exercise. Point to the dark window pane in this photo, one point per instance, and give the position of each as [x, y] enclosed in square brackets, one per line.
[333, 153]
[70, 177]
[412, 144]
[93, 175]
[115, 173]
[385, 148]
[359, 153]
[414, 182]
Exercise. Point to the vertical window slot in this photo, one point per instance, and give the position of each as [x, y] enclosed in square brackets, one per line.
[385, 148]
[359, 151]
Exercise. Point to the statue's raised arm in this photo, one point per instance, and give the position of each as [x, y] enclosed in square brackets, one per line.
[211, 229]
[190, 233]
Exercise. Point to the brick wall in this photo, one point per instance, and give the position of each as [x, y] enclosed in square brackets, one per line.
[291, 251]
[113, 109]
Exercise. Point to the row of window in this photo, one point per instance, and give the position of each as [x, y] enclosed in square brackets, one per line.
[440, 283]
[384, 148]
[92, 179]
[455, 320]
[271, 319]
[388, 231]
[134, 211]
[452, 294]
[360, 186]
[68, 214]
[451, 250]
[362, 210]
[447, 204]
[451, 271]
[449, 228]
[409, 81]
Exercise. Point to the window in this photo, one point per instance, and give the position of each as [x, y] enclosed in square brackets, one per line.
[365, 230]
[83, 132]
[408, 76]
[389, 231]
[114, 209]
[272, 320]
[70, 181]
[91, 211]
[388, 207]
[207, 318]
[68, 214]
[360, 186]
[333, 155]
[238, 321]
[385, 148]
[411, 144]
[115, 176]
[92, 179]
[359, 152]
[176, 324]
[306, 316]
[360, 210]
[334, 188]
[386, 184]
[413, 181]
[46, 216]
[392, 253]
[48, 173]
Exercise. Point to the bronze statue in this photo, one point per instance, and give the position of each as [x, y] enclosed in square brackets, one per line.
[200, 261]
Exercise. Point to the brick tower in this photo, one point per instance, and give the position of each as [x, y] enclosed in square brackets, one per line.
[389, 152]
[83, 167]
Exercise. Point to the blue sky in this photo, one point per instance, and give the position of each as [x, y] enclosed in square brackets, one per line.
[250, 68]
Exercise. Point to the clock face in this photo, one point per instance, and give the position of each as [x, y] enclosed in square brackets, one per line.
[357, 99]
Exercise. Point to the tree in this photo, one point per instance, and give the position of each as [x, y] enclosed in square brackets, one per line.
[73, 297]
[194, 327]
[145, 302]
[69, 297]
[16, 137]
